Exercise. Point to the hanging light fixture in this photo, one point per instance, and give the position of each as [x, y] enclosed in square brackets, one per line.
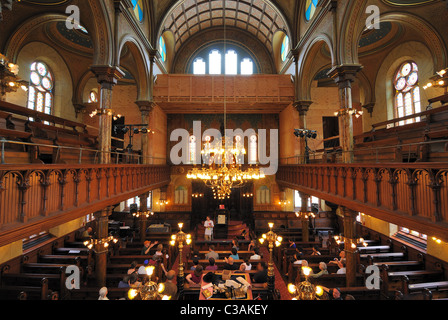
[9, 80]
[224, 171]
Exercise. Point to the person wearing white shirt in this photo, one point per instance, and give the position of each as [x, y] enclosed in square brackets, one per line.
[342, 268]
[209, 225]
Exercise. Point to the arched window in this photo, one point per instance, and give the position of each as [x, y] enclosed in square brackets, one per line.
[263, 195]
[199, 66]
[93, 97]
[407, 94]
[231, 62]
[137, 7]
[310, 9]
[247, 66]
[40, 93]
[285, 48]
[215, 62]
[162, 48]
[181, 195]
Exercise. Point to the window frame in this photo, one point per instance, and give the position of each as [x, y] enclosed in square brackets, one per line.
[411, 92]
[51, 92]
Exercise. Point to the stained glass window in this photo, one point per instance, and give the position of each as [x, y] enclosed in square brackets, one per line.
[232, 63]
[40, 93]
[285, 48]
[407, 96]
[310, 9]
[162, 48]
[137, 6]
[93, 97]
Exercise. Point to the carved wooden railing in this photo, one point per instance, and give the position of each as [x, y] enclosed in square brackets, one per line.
[412, 195]
[38, 197]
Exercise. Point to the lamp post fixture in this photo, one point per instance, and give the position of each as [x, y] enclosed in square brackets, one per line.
[180, 238]
[273, 239]
[306, 290]
[150, 290]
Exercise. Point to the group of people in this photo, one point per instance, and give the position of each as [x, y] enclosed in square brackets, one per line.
[261, 276]
[341, 263]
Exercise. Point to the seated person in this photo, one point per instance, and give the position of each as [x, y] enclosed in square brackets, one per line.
[195, 277]
[142, 269]
[125, 283]
[342, 268]
[230, 265]
[242, 268]
[333, 294]
[195, 254]
[170, 286]
[251, 245]
[147, 245]
[235, 244]
[323, 270]
[256, 255]
[211, 253]
[296, 259]
[133, 267]
[133, 281]
[234, 254]
[247, 265]
[212, 266]
[262, 275]
[341, 258]
[315, 252]
[195, 263]
[292, 244]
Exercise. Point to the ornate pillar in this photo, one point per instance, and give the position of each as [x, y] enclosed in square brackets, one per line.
[107, 77]
[145, 109]
[344, 75]
[305, 222]
[302, 108]
[349, 221]
[143, 218]
[102, 232]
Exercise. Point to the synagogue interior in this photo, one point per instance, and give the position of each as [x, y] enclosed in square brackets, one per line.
[223, 150]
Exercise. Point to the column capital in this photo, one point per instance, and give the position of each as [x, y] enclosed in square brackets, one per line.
[145, 107]
[107, 76]
[153, 54]
[302, 106]
[345, 74]
[369, 107]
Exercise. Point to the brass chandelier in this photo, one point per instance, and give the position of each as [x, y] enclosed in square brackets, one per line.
[223, 169]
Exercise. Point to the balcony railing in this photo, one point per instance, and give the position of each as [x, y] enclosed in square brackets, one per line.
[38, 197]
[415, 195]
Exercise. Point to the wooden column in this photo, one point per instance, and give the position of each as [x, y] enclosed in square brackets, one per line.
[143, 218]
[102, 220]
[344, 75]
[145, 110]
[107, 77]
[305, 222]
[302, 108]
[350, 253]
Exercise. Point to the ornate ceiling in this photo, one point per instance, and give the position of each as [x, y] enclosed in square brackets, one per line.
[258, 17]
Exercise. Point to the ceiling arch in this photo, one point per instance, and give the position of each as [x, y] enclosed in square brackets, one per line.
[259, 17]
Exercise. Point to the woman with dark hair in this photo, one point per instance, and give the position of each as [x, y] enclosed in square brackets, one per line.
[212, 266]
[234, 254]
[195, 277]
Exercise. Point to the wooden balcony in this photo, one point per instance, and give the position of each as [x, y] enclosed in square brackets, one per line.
[39, 197]
[412, 195]
[191, 94]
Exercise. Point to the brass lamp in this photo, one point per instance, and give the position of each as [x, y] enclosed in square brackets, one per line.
[272, 238]
[9, 80]
[150, 290]
[180, 238]
[306, 290]
[100, 243]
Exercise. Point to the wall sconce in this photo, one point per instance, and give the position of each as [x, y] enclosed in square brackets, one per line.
[352, 112]
[248, 195]
[440, 80]
[145, 213]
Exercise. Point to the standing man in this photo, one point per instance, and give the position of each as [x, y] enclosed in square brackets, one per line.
[208, 229]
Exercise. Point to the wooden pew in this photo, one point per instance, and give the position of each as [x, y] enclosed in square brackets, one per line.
[433, 286]
[222, 254]
[219, 244]
[220, 263]
[334, 280]
[92, 293]
[374, 249]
